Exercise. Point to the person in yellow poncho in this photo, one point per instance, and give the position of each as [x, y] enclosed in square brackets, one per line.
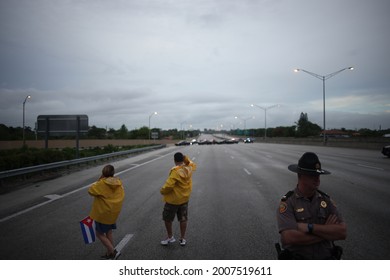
[108, 193]
[176, 194]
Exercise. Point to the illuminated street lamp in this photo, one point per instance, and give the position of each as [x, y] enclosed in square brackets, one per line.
[324, 78]
[155, 113]
[24, 105]
[265, 116]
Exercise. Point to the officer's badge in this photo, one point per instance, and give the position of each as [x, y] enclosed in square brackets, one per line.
[282, 207]
[299, 210]
[324, 204]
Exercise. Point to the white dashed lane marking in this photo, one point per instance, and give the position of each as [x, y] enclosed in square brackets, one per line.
[372, 167]
[124, 242]
[247, 171]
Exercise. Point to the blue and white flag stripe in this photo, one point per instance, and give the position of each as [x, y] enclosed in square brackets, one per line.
[88, 230]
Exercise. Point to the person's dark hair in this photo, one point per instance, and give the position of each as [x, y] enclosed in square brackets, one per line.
[108, 171]
[178, 157]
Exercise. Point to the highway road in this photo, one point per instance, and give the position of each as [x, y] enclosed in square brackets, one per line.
[232, 211]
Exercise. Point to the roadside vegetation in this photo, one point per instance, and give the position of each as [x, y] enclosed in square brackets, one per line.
[25, 157]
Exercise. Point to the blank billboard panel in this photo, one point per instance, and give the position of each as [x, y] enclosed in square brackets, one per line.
[58, 125]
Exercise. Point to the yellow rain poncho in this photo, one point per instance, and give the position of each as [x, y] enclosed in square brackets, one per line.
[109, 194]
[177, 188]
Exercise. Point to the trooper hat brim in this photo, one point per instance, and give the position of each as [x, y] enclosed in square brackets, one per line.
[296, 169]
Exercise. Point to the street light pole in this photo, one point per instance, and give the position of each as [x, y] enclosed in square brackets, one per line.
[24, 105]
[182, 130]
[244, 122]
[155, 113]
[324, 78]
[265, 116]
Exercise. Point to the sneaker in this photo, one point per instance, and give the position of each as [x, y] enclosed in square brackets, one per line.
[115, 255]
[183, 242]
[168, 241]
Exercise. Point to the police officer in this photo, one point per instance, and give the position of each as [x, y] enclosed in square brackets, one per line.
[308, 219]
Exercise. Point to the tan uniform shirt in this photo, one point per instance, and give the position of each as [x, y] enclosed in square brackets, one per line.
[296, 209]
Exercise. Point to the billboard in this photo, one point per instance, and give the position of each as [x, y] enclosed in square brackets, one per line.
[60, 125]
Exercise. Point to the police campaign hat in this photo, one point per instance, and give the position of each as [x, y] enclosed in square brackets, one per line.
[308, 164]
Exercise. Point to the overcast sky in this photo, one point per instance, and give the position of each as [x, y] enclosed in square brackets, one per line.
[198, 63]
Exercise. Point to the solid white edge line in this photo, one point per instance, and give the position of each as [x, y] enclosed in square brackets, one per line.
[26, 210]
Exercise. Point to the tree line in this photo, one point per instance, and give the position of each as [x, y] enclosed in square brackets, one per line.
[302, 128]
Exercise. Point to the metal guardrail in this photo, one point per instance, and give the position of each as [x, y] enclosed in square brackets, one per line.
[59, 164]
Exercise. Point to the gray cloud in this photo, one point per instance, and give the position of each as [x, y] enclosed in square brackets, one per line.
[198, 62]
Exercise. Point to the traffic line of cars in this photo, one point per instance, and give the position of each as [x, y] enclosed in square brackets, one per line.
[213, 142]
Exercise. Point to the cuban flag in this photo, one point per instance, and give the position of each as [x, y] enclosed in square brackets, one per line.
[88, 229]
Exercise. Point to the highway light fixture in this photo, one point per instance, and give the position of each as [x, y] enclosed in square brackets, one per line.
[265, 116]
[24, 105]
[323, 78]
[155, 113]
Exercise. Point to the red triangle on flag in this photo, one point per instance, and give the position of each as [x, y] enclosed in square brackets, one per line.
[87, 221]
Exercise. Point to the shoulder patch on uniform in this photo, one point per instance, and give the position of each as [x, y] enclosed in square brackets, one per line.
[282, 207]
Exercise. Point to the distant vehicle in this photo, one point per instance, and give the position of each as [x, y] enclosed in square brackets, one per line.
[219, 142]
[248, 140]
[386, 150]
[226, 141]
[182, 143]
[232, 141]
[204, 142]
